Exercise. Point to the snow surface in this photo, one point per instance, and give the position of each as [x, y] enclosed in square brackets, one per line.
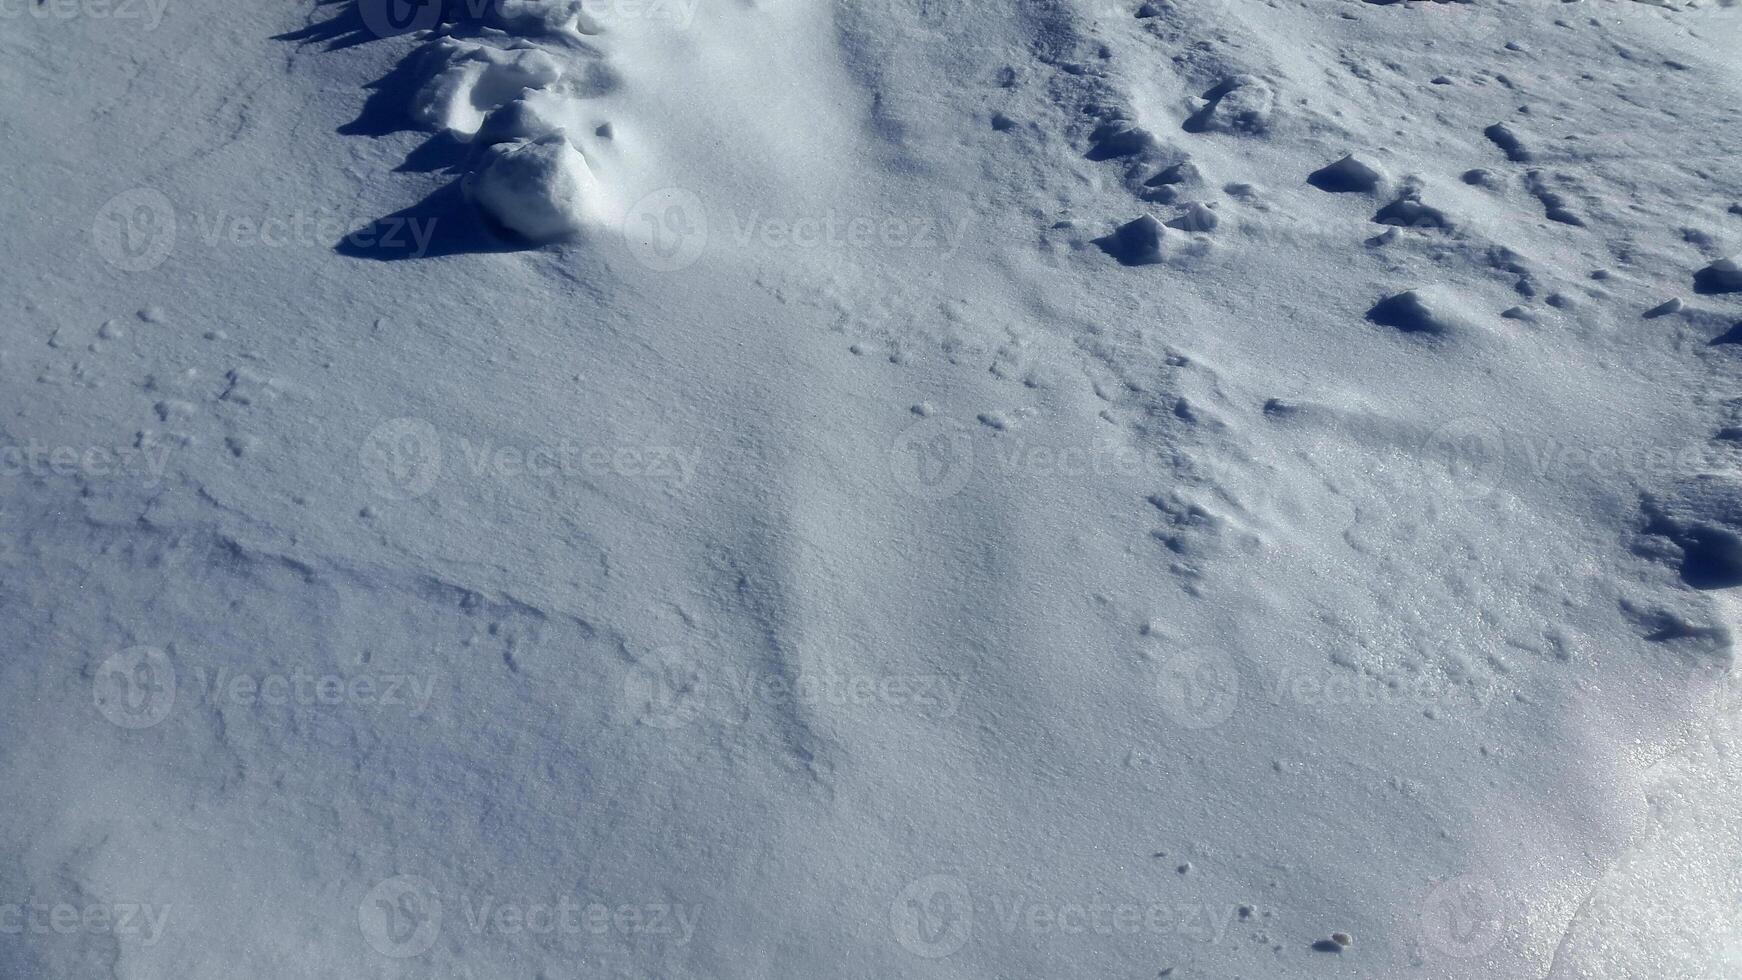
[968, 490]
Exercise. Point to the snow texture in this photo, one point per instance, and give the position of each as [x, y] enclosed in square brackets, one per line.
[562, 489]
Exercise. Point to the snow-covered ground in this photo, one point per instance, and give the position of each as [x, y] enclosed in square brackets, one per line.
[922, 488]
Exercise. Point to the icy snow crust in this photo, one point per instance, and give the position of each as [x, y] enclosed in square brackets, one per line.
[760, 489]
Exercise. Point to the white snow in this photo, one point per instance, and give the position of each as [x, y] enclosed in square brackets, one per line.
[467, 80]
[677, 488]
[538, 188]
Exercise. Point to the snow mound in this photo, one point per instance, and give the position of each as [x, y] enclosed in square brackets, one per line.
[523, 119]
[1243, 104]
[1347, 176]
[466, 80]
[1137, 242]
[1410, 312]
[539, 189]
[1722, 276]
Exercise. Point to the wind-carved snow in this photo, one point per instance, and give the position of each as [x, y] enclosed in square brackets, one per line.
[1257, 477]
